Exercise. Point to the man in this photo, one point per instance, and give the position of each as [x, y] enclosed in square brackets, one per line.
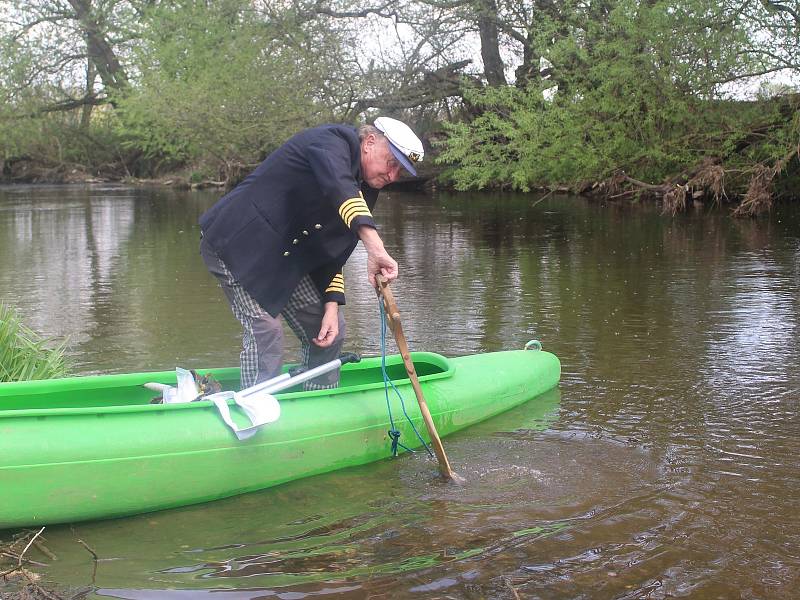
[278, 241]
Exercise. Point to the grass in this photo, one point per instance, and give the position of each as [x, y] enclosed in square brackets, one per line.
[24, 354]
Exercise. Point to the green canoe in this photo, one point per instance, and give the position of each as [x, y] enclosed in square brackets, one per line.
[94, 447]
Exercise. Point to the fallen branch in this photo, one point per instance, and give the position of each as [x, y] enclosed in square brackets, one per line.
[706, 180]
[90, 550]
[44, 550]
[5, 574]
[761, 188]
[31, 588]
[642, 184]
[85, 545]
[511, 587]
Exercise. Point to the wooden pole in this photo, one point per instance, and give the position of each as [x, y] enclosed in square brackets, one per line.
[397, 329]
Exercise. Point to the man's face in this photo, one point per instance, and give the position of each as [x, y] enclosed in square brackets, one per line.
[379, 167]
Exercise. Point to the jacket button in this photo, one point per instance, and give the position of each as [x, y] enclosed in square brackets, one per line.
[317, 226]
[295, 241]
[305, 232]
[286, 253]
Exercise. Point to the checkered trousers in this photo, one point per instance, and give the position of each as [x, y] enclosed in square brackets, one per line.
[262, 339]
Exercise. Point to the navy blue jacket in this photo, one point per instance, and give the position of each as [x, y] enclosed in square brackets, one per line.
[297, 214]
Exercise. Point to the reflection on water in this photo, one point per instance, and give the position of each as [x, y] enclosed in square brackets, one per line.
[666, 465]
[113, 269]
[60, 254]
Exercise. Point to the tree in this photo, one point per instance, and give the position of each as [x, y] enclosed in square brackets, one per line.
[59, 60]
[66, 46]
[218, 84]
[648, 95]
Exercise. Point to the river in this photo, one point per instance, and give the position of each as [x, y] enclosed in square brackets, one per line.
[667, 463]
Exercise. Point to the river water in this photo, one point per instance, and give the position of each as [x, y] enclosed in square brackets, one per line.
[667, 464]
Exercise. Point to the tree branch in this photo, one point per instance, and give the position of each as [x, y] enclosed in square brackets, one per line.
[780, 7]
[320, 8]
[442, 83]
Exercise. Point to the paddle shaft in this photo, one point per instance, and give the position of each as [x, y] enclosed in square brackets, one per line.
[281, 382]
[284, 381]
[402, 345]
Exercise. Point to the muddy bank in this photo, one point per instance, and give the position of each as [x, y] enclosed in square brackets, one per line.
[708, 184]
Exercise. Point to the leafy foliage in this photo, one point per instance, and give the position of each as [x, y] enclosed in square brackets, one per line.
[649, 89]
[216, 84]
[641, 89]
[213, 86]
[24, 355]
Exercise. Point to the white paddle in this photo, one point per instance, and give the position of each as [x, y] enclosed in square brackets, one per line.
[285, 380]
[257, 401]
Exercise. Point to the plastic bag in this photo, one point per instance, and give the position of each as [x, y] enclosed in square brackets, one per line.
[186, 390]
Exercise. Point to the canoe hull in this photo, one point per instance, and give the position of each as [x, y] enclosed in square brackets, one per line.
[78, 463]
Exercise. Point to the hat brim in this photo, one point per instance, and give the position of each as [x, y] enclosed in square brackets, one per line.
[402, 158]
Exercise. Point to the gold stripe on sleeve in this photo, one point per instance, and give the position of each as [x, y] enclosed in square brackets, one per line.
[336, 284]
[352, 208]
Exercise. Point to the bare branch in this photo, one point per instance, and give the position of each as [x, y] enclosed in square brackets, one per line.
[320, 8]
[435, 85]
[781, 7]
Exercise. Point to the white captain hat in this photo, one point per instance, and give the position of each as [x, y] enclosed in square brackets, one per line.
[404, 144]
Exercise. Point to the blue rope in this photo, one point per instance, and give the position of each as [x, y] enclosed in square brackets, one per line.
[394, 433]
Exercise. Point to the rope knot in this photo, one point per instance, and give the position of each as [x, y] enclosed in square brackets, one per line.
[395, 435]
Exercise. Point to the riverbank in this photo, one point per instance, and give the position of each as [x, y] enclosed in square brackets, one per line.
[32, 171]
[702, 186]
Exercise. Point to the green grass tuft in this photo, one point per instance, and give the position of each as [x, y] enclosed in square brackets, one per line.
[24, 354]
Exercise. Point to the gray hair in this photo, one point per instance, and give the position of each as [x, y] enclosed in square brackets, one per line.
[365, 130]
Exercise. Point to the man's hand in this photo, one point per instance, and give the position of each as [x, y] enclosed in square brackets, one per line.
[378, 260]
[383, 264]
[329, 328]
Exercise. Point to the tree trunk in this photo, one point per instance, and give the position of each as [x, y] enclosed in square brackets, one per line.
[493, 66]
[86, 111]
[98, 49]
[527, 71]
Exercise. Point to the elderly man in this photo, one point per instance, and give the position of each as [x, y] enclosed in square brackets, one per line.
[278, 241]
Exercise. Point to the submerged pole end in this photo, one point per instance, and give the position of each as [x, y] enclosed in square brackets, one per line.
[454, 477]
